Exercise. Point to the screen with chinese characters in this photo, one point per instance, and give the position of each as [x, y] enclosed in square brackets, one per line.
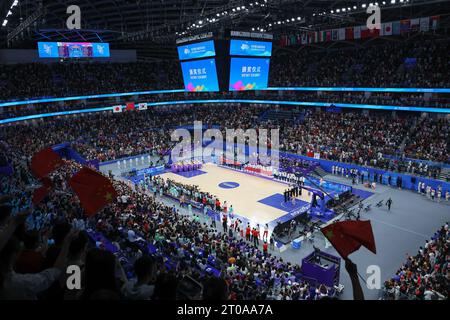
[73, 50]
[200, 75]
[249, 74]
[250, 48]
[197, 50]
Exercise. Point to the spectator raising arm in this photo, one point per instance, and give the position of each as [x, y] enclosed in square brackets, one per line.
[352, 270]
[14, 222]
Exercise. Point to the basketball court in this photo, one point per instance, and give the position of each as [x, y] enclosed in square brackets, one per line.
[255, 198]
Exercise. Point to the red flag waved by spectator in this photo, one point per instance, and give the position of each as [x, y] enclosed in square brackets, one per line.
[348, 236]
[40, 193]
[93, 189]
[44, 162]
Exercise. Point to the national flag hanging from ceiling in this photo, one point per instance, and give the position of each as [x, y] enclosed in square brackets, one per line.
[341, 34]
[369, 33]
[425, 24]
[130, 106]
[357, 32]
[386, 29]
[434, 22]
[404, 26]
[117, 109]
[396, 28]
[322, 36]
[335, 34]
[142, 106]
[415, 24]
[349, 33]
[304, 38]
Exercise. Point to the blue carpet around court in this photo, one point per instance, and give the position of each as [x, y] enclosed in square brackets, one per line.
[190, 174]
[362, 193]
[277, 201]
[136, 179]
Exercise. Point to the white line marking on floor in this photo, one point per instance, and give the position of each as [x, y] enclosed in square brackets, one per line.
[401, 228]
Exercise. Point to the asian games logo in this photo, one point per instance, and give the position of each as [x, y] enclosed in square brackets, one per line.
[100, 49]
[47, 49]
[245, 46]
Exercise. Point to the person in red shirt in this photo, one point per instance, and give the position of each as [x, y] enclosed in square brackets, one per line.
[255, 237]
[217, 205]
[146, 227]
[247, 233]
[224, 222]
[265, 248]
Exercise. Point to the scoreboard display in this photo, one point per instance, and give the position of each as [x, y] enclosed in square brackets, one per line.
[73, 50]
[250, 48]
[200, 75]
[240, 62]
[250, 63]
[249, 74]
[198, 65]
[203, 49]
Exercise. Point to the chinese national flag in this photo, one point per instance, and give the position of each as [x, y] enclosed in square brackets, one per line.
[44, 162]
[130, 106]
[349, 33]
[40, 193]
[348, 236]
[94, 190]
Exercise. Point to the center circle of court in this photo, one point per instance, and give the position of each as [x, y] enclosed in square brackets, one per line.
[229, 185]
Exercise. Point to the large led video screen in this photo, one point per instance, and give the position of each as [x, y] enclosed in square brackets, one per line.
[250, 48]
[197, 50]
[200, 75]
[249, 74]
[73, 50]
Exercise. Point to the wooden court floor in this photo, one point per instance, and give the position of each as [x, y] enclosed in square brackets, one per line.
[245, 197]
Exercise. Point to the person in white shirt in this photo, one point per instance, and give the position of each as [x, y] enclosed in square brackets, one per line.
[266, 232]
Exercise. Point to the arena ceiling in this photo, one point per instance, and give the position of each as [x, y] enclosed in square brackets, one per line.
[151, 26]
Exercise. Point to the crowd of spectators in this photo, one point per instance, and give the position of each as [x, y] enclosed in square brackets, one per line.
[388, 99]
[429, 140]
[138, 247]
[379, 140]
[426, 275]
[72, 79]
[416, 63]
